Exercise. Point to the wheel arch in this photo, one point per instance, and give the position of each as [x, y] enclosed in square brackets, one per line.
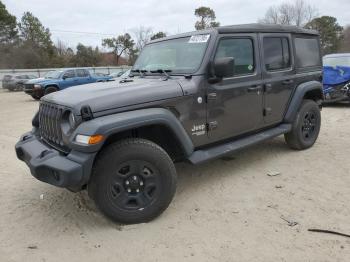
[309, 90]
[52, 85]
[158, 125]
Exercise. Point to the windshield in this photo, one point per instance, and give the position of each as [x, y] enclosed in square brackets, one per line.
[125, 74]
[53, 74]
[337, 61]
[181, 55]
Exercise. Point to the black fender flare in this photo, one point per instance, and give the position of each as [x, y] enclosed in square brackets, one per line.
[298, 97]
[116, 123]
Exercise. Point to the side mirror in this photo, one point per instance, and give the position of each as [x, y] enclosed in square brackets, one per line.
[64, 77]
[224, 67]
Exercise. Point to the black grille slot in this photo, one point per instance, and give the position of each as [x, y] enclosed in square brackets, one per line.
[50, 117]
[29, 86]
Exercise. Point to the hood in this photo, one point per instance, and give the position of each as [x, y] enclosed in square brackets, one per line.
[40, 81]
[115, 94]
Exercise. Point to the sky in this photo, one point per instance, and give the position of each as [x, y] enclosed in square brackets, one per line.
[107, 18]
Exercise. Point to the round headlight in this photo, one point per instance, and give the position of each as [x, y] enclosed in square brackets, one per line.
[71, 120]
[68, 122]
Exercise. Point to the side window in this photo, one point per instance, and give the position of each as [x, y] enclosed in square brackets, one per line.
[82, 73]
[241, 49]
[69, 74]
[307, 52]
[276, 53]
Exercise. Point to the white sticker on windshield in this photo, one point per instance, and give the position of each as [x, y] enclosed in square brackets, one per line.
[199, 39]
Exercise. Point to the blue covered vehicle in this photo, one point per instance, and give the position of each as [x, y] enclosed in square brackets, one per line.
[336, 77]
[61, 79]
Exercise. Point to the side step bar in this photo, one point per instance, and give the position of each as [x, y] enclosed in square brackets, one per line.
[201, 156]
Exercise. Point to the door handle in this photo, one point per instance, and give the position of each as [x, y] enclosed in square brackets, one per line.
[254, 88]
[267, 87]
[288, 82]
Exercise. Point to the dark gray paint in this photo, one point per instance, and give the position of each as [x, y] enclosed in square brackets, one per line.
[238, 112]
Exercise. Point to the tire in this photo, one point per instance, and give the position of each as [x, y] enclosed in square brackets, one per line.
[306, 126]
[133, 181]
[35, 97]
[49, 90]
[19, 87]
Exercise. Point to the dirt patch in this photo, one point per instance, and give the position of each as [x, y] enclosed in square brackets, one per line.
[224, 210]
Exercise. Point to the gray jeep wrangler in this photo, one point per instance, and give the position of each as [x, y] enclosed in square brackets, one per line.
[191, 97]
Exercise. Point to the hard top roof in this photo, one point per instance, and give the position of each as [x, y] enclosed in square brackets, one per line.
[247, 28]
[337, 55]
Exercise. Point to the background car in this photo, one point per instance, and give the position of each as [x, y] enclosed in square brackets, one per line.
[117, 74]
[16, 82]
[61, 79]
[336, 77]
[99, 74]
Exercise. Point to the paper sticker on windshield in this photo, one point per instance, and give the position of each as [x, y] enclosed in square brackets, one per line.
[199, 39]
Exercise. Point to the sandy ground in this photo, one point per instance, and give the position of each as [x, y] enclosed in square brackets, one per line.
[225, 210]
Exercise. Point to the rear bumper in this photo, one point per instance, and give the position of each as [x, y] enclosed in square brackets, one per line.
[48, 165]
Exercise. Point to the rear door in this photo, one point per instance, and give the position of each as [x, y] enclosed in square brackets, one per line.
[83, 76]
[235, 103]
[278, 73]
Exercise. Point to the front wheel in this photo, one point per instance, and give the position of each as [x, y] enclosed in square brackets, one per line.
[36, 97]
[50, 89]
[306, 126]
[133, 181]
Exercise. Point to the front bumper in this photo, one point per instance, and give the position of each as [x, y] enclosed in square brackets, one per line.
[337, 92]
[30, 90]
[48, 165]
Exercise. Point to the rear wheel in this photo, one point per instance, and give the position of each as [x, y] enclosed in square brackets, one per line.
[306, 126]
[50, 89]
[133, 181]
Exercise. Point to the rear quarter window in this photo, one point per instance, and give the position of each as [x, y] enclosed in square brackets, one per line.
[307, 52]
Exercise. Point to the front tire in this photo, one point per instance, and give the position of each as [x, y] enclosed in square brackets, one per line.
[133, 181]
[306, 126]
[49, 90]
[36, 97]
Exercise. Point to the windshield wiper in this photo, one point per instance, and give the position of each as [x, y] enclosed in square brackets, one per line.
[140, 71]
[162, 71]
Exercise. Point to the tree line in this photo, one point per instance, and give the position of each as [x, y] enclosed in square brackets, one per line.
[27, 43]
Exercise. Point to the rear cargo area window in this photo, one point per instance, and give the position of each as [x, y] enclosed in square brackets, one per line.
[276, 53]
[241, 50]
[307, 52]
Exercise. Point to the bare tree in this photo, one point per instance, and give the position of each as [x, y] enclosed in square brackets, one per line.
[345, 45]
[142, 36]
[298, 13]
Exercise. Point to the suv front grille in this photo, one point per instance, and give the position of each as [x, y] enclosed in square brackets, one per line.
[29, 86]
[50, 116]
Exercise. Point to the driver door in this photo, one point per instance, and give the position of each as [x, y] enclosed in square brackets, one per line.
[235, 104]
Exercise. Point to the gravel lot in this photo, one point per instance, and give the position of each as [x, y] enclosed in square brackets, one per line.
[225, 210]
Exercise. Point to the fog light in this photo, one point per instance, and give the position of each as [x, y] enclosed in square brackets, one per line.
[89, 140]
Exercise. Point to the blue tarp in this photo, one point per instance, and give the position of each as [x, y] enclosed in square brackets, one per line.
[336, 75]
